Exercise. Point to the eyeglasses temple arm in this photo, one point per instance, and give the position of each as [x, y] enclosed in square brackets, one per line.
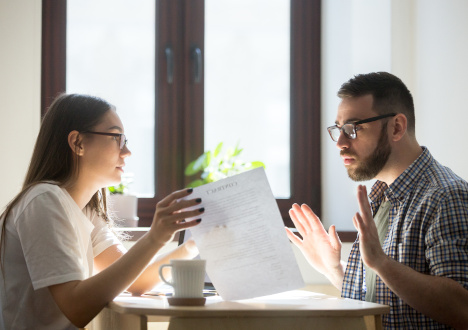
[368, 120]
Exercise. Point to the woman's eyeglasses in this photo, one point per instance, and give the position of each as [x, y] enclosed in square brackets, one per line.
[350, 129]
[122, 139]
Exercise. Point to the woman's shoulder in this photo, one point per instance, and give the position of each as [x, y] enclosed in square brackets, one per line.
[48, 190]
[42, 188]
[41, 195]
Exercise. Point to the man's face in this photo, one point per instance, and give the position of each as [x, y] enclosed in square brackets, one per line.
[365, 156]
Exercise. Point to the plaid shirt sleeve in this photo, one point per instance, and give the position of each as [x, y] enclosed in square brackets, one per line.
[447, 238]
[354, 275]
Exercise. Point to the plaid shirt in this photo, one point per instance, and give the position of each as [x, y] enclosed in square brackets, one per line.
[427, 231]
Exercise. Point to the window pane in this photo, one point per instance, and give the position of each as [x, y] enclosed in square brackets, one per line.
[247, 61]
[110, 53]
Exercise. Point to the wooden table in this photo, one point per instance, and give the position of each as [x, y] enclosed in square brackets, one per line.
[291, 310]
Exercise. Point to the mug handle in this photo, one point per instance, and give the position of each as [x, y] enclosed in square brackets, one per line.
[162, 276]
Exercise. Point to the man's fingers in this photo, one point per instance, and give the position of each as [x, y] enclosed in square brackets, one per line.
[364, 206]
[334, 238]
[293, 237]
[298, 224]
[356, 223]
[302, 218]
[313, 220]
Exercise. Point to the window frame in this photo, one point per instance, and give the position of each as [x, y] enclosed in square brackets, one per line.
[179, 105]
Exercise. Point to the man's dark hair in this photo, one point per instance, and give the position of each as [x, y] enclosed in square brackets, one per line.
[389, 93]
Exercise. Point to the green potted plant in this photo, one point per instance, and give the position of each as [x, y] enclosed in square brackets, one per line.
[215, 165]
[122, 204]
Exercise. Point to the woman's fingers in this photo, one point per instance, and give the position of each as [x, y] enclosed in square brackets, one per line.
[169, 199]
[180, 205]
[170, 215]
[179, 216]
[188, 224]
[173, 206]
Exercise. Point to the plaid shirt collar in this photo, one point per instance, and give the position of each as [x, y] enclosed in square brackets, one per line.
[403, 184]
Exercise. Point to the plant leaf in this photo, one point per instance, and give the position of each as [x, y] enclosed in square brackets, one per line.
[218, 149]
[207, 160]
[229, 153]
[196, 183]
[189, 170]
[211, 177]
[216, 165]
[256, 164]
[253, 165]
[120, 189]
[237, 150]
[198, 164]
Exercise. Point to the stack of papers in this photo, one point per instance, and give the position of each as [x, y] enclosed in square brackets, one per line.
[242, 238]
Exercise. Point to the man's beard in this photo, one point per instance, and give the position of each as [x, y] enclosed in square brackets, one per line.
[372, 165]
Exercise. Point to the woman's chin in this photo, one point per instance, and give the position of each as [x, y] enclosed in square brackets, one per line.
[114, 181]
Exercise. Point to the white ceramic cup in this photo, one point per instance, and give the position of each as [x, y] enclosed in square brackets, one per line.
[188, 277]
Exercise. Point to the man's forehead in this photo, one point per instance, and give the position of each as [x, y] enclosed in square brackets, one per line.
[355, 108]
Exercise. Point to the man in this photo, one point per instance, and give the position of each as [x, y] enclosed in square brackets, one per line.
[412, 246]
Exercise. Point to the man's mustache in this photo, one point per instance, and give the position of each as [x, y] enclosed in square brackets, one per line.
[347, 153]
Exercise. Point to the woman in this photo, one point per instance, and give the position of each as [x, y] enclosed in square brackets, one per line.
[56, 229]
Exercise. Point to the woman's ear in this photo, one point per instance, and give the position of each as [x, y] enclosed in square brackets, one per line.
[400, 125]
[75, 143]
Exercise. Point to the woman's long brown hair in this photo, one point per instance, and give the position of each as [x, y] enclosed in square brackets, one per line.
[53, 160]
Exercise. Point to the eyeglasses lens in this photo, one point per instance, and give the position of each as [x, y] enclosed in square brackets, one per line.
[349, 131]
[123, 141]
[334, 133]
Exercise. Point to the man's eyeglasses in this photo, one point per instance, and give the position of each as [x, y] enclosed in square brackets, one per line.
[350, 129]
[122, 139]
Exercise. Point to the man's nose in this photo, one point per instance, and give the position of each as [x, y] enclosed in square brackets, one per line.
[343, 141]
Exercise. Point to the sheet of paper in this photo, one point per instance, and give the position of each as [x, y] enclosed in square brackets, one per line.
[242, 238]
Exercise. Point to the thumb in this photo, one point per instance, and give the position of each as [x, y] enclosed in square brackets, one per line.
[355, 222]
[334, 238]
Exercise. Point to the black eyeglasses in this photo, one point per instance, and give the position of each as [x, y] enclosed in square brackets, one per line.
[350, 129]
[122, 139]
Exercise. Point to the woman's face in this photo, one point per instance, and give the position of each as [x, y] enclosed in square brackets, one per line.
[102, 160]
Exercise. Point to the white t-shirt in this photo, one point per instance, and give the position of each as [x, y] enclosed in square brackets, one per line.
[48, 240]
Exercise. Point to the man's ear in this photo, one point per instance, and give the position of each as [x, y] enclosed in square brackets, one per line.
[75, 143]
[400, 125]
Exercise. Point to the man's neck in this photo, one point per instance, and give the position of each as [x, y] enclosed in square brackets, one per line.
[399, 161]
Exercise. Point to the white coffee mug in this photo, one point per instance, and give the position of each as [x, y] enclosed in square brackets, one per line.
[188, 277]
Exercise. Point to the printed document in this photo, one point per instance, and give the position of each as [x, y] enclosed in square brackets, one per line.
[242, 238]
